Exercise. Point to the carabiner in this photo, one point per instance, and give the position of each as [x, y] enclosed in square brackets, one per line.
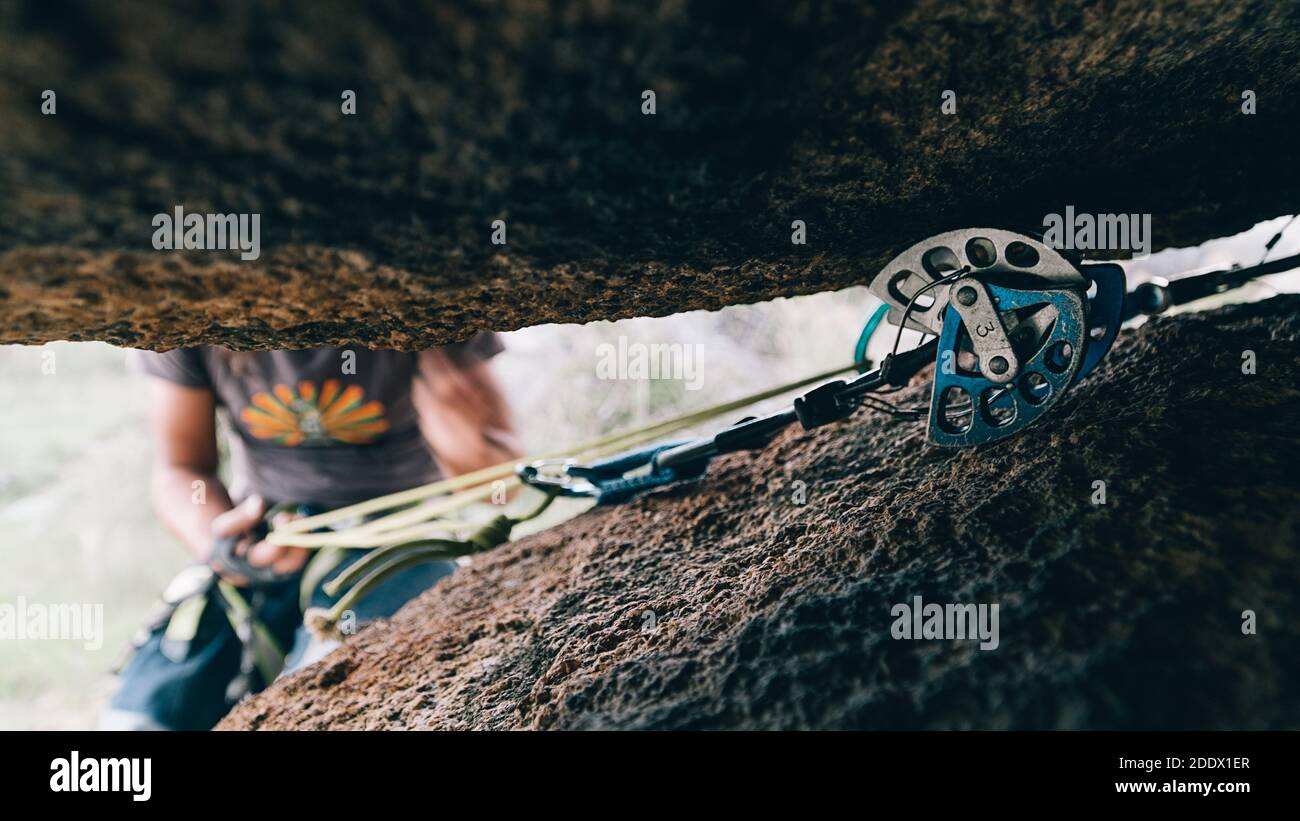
[552, 476]
[606, 480]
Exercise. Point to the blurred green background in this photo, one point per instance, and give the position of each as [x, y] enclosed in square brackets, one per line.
[75, 522]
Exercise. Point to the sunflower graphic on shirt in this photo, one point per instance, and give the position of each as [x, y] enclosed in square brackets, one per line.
[331, 415]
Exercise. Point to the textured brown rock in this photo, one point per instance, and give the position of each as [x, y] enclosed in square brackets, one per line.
[771, 614]
[375, 227]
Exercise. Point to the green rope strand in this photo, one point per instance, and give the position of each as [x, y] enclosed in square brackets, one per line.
[358, 568]
[379, 565]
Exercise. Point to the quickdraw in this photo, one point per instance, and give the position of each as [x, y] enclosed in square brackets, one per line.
[1015, 324]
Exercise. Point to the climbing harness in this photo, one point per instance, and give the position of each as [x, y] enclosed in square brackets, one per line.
[1014, 324]
[180, 612]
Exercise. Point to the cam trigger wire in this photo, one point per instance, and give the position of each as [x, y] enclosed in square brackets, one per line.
[873, 399]
[958, 274]
[892, 409]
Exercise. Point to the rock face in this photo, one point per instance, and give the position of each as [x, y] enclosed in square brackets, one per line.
[376, 227]
[724, 604]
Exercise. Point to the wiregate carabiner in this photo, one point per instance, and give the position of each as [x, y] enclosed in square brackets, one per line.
[552, 476]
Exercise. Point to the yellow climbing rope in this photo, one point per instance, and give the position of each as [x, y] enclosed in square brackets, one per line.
[418, 510]
[400, 536]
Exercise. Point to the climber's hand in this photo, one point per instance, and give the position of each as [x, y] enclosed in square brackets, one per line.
[243, 519]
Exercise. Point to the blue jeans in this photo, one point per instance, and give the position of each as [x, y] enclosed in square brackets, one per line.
[159, 691]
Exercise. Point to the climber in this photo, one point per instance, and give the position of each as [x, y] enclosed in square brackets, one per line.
[315, 429]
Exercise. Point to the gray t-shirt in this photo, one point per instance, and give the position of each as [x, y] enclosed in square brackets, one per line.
[329, 426]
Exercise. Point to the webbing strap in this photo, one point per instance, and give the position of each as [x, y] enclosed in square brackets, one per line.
[256, 638]
[183, 626]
